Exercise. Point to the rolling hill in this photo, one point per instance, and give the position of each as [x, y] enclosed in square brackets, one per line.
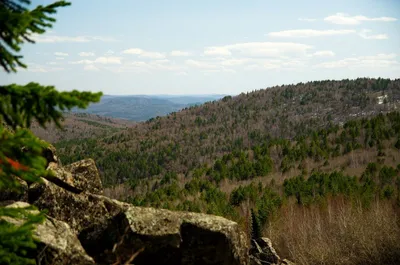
[198, 135]
[141, 107]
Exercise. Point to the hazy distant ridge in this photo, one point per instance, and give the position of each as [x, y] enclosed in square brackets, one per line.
[144, 107]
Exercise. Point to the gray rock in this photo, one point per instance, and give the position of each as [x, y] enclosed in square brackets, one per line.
[57, 242]
[77, 210]
[84, 175]
[167, 238]
[263, 252]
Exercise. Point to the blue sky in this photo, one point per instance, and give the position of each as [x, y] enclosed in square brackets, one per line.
[211, 46]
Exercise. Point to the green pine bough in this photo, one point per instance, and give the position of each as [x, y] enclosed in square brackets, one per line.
[20, 105]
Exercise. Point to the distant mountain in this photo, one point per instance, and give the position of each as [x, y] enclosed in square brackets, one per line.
[144, 107]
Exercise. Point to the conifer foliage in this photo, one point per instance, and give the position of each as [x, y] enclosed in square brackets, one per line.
[20, 150]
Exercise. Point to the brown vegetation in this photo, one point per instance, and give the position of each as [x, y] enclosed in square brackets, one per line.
[339, 233]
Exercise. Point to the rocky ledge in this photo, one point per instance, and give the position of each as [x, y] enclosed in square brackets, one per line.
[85, 227]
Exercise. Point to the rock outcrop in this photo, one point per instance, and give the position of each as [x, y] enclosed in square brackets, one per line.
[85, 176]
[57, 243]
[263, 251]
[84, 227]
[167, 238]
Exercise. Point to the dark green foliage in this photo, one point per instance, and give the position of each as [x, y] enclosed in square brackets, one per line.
[255, 226]
[16, 240]
[168, 178]
[17, 24]
[21, 104]
[320, 185]
[387, 175]
[387, 192]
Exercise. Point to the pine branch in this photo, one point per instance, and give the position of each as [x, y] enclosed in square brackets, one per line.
[21, 104]
[18, 25]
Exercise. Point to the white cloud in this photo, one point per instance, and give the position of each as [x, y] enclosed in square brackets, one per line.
[233, 62]
[82, 62]
[380, 56]
[219, 51]
[267, 49]
[100, 60]
[109, 52]
[61, 54]
[303, 33]
[364, 34]
[232, 65]
[135, 51]
[147, 67]
[152, 55]
[86, 54]
[180, 53]
[201, 64]
[345, 19]
[59, 58]
[374, 61]
[324, 53]
[108, 60]
[37, 68]
[90, 67]
[307, 19]
[58, 39]
[143, 53]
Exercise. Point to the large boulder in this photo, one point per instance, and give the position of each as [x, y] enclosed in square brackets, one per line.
[57, 244]
[85, 176]
[165, 237]
[112, 231]
[78, 210]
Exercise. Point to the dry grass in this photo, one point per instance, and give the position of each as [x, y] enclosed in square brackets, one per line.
[338, 233]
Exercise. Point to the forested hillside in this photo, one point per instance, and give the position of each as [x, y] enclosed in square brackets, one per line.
[197, 136]
[315, 166]
[81, 126]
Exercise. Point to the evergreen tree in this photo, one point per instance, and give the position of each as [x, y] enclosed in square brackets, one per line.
[20, 152]
[255, 225]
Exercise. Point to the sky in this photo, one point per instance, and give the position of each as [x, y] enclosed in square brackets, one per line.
[211, 46]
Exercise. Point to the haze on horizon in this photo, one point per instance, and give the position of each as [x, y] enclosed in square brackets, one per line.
[212, 47]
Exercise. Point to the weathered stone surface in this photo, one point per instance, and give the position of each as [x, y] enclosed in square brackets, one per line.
[78, 210]
[84, 176]
[57, 243]
[263, 251]
[167, 237]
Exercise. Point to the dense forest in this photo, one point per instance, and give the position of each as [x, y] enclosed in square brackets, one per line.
[199, 135]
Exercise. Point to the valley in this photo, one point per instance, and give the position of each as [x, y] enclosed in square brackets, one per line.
[308, 151]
